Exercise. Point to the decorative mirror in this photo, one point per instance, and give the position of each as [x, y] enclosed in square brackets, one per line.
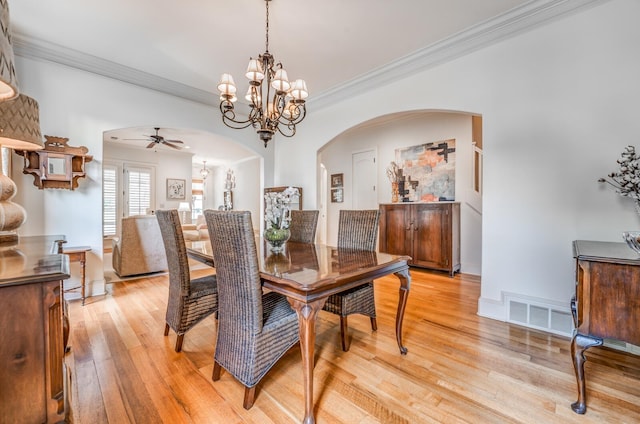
[57, 165]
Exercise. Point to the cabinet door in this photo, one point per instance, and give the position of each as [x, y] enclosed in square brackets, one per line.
[395, 229]
[431, 235]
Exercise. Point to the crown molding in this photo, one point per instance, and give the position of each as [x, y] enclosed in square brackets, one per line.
[37, 49]
[491, 31]
[517, 20]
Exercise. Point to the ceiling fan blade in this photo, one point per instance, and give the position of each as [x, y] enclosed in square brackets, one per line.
[175, 141]
[171, 145]
[150, 145]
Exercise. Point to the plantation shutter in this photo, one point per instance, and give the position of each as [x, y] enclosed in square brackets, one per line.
[109, 199]
[138, 190]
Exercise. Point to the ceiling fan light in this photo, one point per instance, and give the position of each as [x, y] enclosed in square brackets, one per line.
[226, 85]
[255, 71]
[299, 90]
[281, 81]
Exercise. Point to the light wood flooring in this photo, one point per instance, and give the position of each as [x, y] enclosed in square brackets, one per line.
[461, 368]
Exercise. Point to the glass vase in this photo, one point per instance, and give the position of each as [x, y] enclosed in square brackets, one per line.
[276, 238]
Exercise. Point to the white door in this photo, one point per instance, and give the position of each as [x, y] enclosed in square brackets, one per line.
[365, 177]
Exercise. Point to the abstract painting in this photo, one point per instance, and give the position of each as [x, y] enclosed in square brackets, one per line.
[428, 172]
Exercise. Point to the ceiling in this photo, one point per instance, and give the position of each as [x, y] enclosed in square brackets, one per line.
[329, 43]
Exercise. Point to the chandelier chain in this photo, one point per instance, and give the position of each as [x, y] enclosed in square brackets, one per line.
[267, 29]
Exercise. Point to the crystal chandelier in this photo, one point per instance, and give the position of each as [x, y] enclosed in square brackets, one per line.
[276, 104]
[204, 172]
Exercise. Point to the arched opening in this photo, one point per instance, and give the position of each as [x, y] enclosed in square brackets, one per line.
[384, 135]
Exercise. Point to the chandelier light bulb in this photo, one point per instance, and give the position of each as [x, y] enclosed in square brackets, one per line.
[255, 71]
[226, 85]
[299, 90]
[281, 81]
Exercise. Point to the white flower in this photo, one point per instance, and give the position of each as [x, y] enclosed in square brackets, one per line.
[277, 210]
[627, 180]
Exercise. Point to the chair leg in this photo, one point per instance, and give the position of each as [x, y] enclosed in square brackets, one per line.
[374, 324]
[179, 342]
[166, 329]
[215, 376]
[344, 333]
[249, 397]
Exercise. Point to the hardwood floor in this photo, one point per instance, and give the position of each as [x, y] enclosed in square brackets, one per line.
[461, 368]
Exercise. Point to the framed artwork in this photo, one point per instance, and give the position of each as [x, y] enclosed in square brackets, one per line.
[176, 189]
[427, 172]
[336, 180]
[337, 195]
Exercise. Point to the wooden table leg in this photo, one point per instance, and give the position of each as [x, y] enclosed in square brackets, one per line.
[405, 283]
[83, 261]
[579, 344]
[307, 313]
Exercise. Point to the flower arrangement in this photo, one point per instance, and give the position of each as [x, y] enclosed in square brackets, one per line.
[393, 172]
[277, 211]
[627, 180]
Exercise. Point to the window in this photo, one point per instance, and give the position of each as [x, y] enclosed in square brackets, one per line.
[197, 198]
[137, 189]
[109, 199]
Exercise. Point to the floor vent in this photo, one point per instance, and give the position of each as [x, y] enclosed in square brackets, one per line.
[543, 316]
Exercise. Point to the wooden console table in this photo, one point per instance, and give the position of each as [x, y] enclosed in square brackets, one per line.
[35, 384]
[76, 254]
[605, 305]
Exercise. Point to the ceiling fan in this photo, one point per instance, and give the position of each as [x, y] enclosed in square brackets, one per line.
[158, 139]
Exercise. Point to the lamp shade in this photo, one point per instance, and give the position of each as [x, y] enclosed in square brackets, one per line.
[184, 207]
[8, 79]
[20, 124]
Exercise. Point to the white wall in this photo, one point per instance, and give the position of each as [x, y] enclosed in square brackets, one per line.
[559, 103]
[81, 106]
[389, 133]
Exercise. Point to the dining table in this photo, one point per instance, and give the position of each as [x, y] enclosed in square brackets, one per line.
[307, 274]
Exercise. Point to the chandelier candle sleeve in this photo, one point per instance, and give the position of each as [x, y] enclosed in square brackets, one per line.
[275, 103]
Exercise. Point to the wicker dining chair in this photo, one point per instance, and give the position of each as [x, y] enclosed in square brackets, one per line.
[254, 329]
[303, 226]
[190, 300]
[357, 229]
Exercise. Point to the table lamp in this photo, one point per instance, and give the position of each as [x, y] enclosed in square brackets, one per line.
[19, 129]
[184, 208]
[8, 79]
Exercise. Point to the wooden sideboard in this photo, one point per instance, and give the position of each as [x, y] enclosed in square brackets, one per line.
[32, 369]
[428, 232]
[605, 304]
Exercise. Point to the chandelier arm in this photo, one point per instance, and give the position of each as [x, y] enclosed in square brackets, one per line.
[301, 114]
[229, 118]
[290, 128]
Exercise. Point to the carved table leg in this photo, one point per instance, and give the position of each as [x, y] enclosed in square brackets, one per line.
[405, 283]
[307, 313]
[579, 344]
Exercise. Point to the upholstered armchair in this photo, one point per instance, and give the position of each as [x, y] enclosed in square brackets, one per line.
[139, 249]
[197, 231]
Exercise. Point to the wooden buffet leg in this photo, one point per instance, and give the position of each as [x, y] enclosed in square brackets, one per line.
[579, 344]
[405, 283]
[307, 313]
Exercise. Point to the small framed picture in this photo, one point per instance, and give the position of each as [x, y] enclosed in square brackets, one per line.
[336, 195]
[336, 180]
[176, 189]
